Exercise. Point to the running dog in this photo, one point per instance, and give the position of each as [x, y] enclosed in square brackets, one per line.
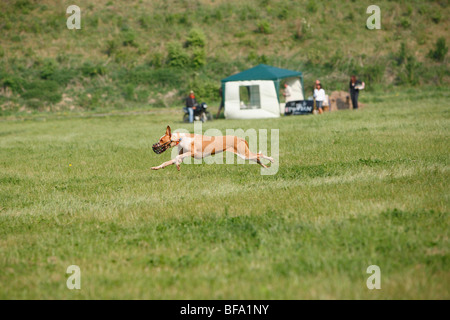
[198, 146]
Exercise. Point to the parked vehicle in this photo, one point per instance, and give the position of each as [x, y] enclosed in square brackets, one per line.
[200, 113]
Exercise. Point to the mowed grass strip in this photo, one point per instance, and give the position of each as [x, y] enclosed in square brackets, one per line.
[353, 189]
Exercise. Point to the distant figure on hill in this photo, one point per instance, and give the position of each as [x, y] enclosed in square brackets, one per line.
[355, 86]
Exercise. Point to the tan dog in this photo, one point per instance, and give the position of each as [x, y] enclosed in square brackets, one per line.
[198, 146]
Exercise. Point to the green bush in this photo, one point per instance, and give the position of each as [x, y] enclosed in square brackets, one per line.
[311, 6]
[128, 92]
[373, 73]
[111, 47]
[24, 6]
[205, 90]
[402, 54]
[90, 69]
[264, 27]
[156, 60]
[199, 57]
[436, 17]
[440, 50]
[177, 56]
[283, 13]
[43, 90]
[405, 22]
[248, 13]
[15, 83]
[129, 39]
[142, 74]
[410, 73]
[196, 38]
[48, 68]
[63, 76]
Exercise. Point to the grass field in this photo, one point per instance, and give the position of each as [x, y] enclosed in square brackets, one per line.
[354, 188]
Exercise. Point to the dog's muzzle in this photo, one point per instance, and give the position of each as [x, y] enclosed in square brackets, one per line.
[159, 148]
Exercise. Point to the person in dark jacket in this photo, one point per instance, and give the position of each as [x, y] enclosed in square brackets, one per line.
[191, 105]
[355, 86]
[221, 102]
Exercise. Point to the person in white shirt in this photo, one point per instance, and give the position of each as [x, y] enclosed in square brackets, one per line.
[287, 92]
[319, 95]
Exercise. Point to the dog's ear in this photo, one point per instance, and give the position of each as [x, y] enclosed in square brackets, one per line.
[168, 131]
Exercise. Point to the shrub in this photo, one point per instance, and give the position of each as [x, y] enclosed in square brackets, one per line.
[264, 27]
[410, 73]
[111, 47]
[128, 92]
[142, 74]
[144, 22]
[13, 82]
[373, 73]
[402, 54]
[205, 90]
[177, 56]
[63, 76]
[196, 38]
[129, 39]
[436, 17]
[48, 68]
[248, 13]
[405, 22]
[199, 57]
[311, 6]
[440, 50]
[283, 14]
[156, 60]
[43, 90]
[24, 6]
[89, 69]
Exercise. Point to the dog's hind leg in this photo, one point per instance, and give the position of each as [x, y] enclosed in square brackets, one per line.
[242, 150]
[266, 157]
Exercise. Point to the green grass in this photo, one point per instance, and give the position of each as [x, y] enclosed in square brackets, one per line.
[353, 189]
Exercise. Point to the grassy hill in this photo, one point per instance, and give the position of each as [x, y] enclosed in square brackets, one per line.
[141, 54]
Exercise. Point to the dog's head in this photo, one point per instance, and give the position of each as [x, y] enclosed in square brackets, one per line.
[164, 143]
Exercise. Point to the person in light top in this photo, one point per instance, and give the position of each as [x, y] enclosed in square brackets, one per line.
[319, 96]
[287, 92]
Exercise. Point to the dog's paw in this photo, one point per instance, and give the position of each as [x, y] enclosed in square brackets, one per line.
[155, 168]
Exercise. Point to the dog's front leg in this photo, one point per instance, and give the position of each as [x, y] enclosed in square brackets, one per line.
[164, 164]
[178, 159]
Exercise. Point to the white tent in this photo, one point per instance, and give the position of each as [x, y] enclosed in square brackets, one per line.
[253, 94]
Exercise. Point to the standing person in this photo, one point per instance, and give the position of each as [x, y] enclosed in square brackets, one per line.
[221, 102]
[319, 96]
[355, 86]
[191, 105]
[287, 92]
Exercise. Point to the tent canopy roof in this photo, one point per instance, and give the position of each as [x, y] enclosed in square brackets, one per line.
[263, 72]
